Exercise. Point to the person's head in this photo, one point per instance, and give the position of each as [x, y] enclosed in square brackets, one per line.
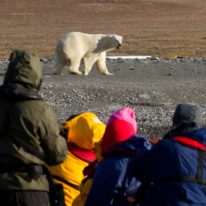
[188, 115]
[120, 127]
[24, 68]
[84, 130]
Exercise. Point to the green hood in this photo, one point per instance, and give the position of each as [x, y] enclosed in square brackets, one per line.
[24, 67]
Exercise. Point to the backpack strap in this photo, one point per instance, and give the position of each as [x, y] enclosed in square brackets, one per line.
[201, 159]
[201, 149]
[76, 187]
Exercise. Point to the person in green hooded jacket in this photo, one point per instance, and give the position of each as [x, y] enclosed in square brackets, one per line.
[29, 134]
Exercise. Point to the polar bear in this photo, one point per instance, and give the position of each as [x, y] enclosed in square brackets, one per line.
[74, 47]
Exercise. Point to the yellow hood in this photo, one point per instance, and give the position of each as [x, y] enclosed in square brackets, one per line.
[85, 130]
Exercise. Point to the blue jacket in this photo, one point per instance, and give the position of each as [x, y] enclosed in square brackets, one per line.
[161, 166]
[112, 181]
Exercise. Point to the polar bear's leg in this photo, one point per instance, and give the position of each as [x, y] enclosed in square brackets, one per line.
[88, 63]
[74, 67]
[101, 64]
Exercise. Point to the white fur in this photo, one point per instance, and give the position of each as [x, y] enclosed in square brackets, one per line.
[91, 48]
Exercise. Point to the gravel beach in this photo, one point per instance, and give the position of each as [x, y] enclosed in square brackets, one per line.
[151, 86]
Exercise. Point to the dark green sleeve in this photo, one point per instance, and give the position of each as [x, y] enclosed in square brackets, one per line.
[53, 144]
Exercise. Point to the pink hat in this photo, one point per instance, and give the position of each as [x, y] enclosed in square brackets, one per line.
[121, 126]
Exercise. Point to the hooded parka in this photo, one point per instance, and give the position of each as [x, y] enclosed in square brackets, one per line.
[112, 181]
[171, 168]
[29, 133]
[83, 131]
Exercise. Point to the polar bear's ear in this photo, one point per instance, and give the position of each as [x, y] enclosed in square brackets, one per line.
[107, 43]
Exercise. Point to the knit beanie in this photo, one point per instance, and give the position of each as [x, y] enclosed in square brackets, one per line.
[120, 127]
[188, 114]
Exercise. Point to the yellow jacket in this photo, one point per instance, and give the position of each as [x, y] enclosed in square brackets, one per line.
[83, 131]
[86, 183]
[84, 191]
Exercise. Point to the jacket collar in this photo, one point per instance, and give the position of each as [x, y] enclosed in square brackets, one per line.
[83, 154]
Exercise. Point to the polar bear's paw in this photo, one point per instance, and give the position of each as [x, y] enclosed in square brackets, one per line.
[85, 73]
[75, 72]
[107, 73]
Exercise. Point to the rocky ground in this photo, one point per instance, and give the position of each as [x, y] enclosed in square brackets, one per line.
[161, 28]
[152, 87]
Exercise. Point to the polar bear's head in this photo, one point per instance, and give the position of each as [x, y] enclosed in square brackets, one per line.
[108, 42]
